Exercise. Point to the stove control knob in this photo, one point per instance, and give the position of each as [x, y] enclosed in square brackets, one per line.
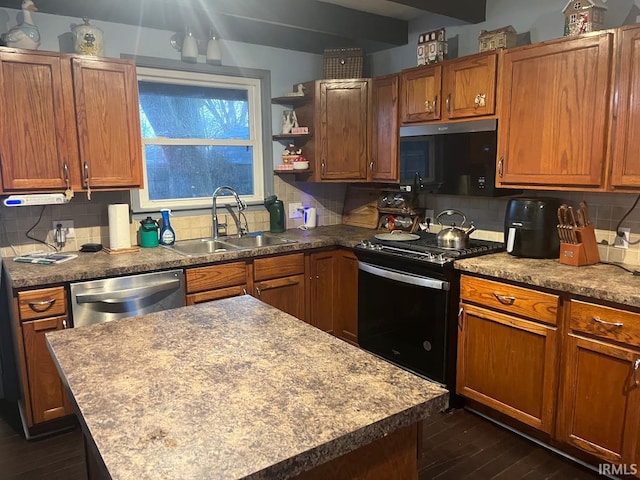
[363, 243]
[441, 258]
[377, 247]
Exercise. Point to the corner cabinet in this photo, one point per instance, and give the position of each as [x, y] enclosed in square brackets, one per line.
[337, 113]
[68, 122]
[554, 114]
[450, 90]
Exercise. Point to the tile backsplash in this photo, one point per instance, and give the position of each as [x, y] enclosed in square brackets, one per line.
[92, 226]
[91, 220]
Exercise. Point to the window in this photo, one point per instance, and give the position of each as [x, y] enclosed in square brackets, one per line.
[199, 131]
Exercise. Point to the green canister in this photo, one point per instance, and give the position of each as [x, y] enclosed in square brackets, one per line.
[148, 232]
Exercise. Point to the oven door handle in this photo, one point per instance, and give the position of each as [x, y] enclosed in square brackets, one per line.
[397, 276]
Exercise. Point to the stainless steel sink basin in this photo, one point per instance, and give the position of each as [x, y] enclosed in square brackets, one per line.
[207, 246]
[201, 246]
[256, 241]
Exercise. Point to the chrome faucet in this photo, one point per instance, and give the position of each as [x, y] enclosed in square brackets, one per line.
[214, 212]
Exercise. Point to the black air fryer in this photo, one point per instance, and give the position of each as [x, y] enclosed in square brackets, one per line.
[530, 227]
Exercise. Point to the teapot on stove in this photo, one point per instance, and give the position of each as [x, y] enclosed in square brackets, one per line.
[453, 237]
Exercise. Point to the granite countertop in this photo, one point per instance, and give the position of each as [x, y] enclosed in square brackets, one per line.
[600, 281]
[230, 389]
[101, 265]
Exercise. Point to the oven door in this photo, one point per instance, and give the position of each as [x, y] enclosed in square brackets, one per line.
[402, 317]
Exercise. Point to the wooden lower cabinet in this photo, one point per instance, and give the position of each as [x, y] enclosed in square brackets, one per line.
[346, 296]
[508, 364]
[600, 400]
[322, 282]
[280, 282]
[508, 350]
[600, 394]
[46, 398]
[215, 282]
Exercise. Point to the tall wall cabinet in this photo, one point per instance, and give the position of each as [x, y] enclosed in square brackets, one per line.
[68, 122]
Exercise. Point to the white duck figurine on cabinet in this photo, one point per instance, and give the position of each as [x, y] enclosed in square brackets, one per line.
[25, 34]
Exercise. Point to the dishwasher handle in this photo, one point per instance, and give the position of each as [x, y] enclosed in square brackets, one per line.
[122, 296]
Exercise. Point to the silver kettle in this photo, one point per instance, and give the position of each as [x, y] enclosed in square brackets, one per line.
[453, 237]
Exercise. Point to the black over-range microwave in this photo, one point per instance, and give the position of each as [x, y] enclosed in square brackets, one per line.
[456, 158]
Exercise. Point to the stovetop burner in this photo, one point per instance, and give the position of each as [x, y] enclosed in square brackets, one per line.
[425, 249]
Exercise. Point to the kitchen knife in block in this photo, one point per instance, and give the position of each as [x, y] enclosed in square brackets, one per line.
[585, 252]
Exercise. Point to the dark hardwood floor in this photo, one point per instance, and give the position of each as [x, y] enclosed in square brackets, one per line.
[457, 445]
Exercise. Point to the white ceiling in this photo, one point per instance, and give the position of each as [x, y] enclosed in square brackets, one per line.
[380, 7]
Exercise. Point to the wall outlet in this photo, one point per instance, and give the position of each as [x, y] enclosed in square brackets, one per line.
[67, 225]
[295, 210]
[622, 242]
[430, 215]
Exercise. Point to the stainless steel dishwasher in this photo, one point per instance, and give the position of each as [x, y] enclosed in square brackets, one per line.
[100, 301]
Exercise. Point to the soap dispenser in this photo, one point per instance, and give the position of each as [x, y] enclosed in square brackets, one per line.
[167, 235]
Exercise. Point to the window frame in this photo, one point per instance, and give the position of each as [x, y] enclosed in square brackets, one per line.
[263, 77]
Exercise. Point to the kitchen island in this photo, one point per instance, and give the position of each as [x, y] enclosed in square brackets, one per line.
[238, 389]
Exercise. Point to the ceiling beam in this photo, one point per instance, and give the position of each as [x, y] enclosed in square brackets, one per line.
[472, 11]
[302, 25]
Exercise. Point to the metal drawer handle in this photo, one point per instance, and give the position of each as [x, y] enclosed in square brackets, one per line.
[244, 291]
[597, 319]
[504, 299]
[460, 318]
[258, 291]
[64, 324]
[636, 365]
[45, 304]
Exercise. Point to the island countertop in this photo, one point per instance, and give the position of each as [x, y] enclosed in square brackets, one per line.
[230, 389]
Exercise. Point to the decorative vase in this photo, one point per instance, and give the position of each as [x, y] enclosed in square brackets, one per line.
[214, 56]
[88, 39]
[189, 47]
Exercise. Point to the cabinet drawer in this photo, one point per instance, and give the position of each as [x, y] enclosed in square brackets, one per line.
[46, 302]
[276, 267]
[605, 322]
[216, 276]
[509, 298]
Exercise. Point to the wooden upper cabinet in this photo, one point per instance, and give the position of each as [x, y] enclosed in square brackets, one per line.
[421, 94]
[344, 129]
[37, 151]
[454, 89]
[470, 86]
[107, 116]
[553, 111]
[625, 171]
[384, 166]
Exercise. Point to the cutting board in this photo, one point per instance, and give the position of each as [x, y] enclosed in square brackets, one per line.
[361, 207]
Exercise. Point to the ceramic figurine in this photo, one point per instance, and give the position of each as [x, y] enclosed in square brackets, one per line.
[25, 34]
[88, 39]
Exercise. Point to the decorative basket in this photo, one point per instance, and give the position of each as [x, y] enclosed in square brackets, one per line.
[343, 62]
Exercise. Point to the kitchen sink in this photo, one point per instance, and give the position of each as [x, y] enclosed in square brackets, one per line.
[206, 246]
[201, 246]
[252, 241]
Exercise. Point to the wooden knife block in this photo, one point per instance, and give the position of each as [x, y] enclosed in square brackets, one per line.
[585, 252]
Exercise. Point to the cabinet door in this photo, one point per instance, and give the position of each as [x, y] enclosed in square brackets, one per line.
[48, 399]
[384, 165]
[551, 95]
[470, 86]
[626, 141]
[322, 277]
[108, 119]
[346, 296]
[344, 139]
[600, 399]
[420, 93]
[286, 294]
[36, 148]
[508, 364]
